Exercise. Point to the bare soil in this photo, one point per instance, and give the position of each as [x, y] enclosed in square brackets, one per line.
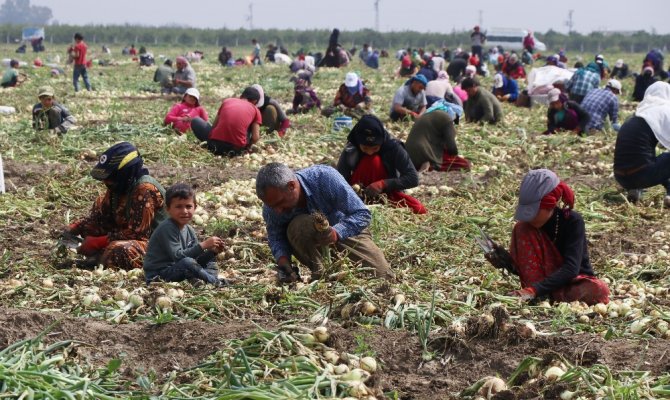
[178, 345]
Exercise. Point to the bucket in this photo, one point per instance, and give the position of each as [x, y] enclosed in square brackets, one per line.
[342, 122]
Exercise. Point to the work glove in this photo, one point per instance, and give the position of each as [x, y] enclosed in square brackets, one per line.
[525, 294]
[616, 127]
[375, 189]
[327, 237]
[287, 273]
[93, 245]
[501, 258]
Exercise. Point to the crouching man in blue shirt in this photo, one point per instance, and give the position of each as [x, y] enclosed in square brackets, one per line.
[289, 200]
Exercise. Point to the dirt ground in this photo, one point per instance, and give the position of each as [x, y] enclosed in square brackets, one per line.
[179, 345]
[23, 176]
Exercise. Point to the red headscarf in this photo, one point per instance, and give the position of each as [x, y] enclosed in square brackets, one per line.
[560, 192]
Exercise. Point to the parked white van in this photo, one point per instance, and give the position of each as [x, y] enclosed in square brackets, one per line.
[510, 39]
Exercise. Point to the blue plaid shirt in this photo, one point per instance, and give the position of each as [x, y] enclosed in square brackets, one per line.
[582, 81]
[600, 103]
[327, 192]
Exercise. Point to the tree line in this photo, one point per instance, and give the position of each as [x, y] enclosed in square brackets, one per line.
[317, 39]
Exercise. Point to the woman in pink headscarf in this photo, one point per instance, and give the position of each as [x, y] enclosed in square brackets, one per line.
[440, 88]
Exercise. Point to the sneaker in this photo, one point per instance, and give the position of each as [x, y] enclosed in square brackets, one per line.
[634, 195]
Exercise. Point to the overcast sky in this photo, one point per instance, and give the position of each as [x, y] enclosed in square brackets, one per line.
[433, 16]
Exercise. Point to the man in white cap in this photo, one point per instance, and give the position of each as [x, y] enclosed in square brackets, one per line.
[600, 103]
[620, 70]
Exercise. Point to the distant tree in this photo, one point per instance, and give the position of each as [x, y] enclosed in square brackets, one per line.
[20, 12]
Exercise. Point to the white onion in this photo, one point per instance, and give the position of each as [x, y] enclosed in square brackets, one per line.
[368, 308]
[164, 303]
[600, 308]
[527, 330]
[47, 283]
[91, 300]
[135, 300]
[341, 369]
[356, 374]
[358, 389]
[368, 364]
[567, 395]
[398, 299]
[121, 294]
[553, 373]
[492, 386]
[321, 334]
[331, 356]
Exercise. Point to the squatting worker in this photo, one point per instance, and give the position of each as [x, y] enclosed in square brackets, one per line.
[290, 197]
[636, 165]
[236, 126]
[482, 105]
[378, 162]
[549, 250]
[116, 231]
[410, 99]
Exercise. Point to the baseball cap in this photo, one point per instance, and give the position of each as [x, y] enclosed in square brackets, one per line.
[45, 91]
[115, 158]
[351, 80]
[534, 186]
[614, 84]
[498, 81]
[553, 94]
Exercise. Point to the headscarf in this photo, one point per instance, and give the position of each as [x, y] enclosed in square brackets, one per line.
[655, 110]
[561, 192]
[417, 78]
[369, 131]
[182, 60]
[261, 100]
[454, 110]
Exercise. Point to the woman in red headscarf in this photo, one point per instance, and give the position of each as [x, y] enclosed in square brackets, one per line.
[548, 250]
[379, 163]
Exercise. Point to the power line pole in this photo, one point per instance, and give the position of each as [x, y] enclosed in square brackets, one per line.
[250, 18]
[377, 15]
[569, 23]
[481, 18]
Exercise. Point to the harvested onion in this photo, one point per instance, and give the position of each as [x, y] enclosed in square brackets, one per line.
[368, 364]
[320, 333]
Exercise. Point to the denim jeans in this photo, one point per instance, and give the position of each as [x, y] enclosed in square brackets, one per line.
[654, 174]
[187, 268]
[80, 70]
